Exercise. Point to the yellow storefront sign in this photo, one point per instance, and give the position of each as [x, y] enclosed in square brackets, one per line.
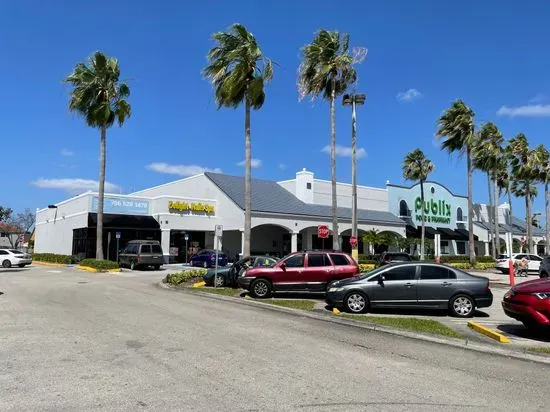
[193, 207]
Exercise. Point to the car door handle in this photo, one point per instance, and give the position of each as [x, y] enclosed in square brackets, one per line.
[446, 284]
[409, 285]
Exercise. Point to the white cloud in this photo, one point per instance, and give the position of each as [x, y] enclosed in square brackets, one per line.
[530, 110]
[409, 96]
[66, 152]
[254, 163]
[180, 170]
[282, 166]
[74, 185]
[538, 98]
[344, 151]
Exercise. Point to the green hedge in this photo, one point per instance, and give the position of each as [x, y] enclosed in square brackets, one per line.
[53, 258]
[457, 259]
[184, 276]
[99, 264]
[367, 262]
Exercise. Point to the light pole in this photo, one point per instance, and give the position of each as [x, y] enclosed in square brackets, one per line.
[354, 100]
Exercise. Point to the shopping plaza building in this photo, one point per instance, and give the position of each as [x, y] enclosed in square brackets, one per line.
[183, 214]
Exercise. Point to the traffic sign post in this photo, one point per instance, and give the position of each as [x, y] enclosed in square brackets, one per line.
[354, 250]
[218, 233]
[117, 235]
[323, 233]
[186, 248]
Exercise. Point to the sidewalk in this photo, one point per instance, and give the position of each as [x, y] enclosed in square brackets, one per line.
[502, 279]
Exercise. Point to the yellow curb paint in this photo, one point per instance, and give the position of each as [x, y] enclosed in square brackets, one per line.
[488, 332]
[92, 270]
[335, 311]
[199, 284]
[57, 265]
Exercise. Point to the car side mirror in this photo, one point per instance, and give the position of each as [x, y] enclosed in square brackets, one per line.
[381, 279]
[283, 266]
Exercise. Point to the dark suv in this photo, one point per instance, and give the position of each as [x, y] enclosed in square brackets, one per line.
[309, 271]
[544, 268]
[394, 257]
[141, 253]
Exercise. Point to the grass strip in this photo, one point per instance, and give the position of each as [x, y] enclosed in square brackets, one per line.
[411, 324]
[290, 303]
[219, 291]
[539, 349]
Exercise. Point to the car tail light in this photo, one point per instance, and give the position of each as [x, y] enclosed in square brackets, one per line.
[139, 258]
[487, 288]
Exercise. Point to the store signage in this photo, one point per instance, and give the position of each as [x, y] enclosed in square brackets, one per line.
[353, 241]
[322, 231]
[122, 206]
[177, 206]
[435, 211]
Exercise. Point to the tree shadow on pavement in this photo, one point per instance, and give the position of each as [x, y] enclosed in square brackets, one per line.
[14, 270]
[520, 331]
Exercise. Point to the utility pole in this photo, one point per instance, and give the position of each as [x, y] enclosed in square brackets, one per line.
[353, 100]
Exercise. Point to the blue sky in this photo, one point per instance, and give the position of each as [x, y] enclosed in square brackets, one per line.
[422, 56]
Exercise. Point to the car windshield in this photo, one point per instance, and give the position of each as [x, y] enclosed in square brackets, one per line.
[373, 272]
[17, 252]
[502, 257]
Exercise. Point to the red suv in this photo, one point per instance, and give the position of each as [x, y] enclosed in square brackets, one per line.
[529, 302]
[301, 271]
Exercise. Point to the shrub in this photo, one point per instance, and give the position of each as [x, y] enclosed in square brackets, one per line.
[367, 262]
[366, 267]
[99, 264]
[54, 258]
[459, 265]
[485, 259]
[485, 265]
[184, 276]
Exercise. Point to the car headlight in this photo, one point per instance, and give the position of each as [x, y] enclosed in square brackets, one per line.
[542, 295]
[508, 294]
[336, 289]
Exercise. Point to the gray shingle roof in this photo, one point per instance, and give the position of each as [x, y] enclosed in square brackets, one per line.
[270, 197]
[518, 227]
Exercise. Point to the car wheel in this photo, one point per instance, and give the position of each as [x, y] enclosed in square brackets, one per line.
[156, 267]
[219, 281]
[22, 265]
[132, 265]
[260, 288]
[356, 302]
[544, 275]
[6, 264]
[462, 306]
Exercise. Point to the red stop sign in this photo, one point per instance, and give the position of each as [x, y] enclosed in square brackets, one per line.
[322, 231]
[353, 241]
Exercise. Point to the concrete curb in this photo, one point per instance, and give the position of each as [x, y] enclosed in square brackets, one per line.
[460, 344]
[56, 265]
[488, 332]
[93, 270]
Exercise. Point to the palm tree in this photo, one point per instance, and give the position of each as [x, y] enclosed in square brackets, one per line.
[374, 238]
[99, 97]
[519, 189]
[524, 168]
[417, 167]
[457, 128]
[327, 70]
[238, 71]
[543, 161]
[488, 153]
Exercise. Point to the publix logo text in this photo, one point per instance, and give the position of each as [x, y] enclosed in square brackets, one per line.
[436, 211]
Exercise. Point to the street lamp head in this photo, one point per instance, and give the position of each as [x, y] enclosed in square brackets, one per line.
[347, 99]
[360, 98]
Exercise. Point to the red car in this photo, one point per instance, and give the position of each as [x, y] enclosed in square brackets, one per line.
[529, 302]
[311, 271]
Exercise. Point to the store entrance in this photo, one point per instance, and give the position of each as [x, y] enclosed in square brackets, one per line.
[182, 250]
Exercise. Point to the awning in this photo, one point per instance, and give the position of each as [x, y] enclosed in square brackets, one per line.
[449, 234]
[416, 232]
[112, 221]
[465, 233]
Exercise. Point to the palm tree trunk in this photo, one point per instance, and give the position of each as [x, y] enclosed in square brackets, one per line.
[497, 227]
[489, 217]
[335, 233]
[529, 216]
[470, 209]
[547, 203]
[423, 232]
[247, 181]
[101, 193]
[509, 193]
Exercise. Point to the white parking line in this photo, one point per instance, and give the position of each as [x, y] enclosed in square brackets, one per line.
[53, 271]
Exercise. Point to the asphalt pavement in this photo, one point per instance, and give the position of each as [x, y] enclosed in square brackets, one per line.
[73, 340]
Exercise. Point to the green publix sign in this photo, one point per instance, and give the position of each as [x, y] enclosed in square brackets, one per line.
[436, 211]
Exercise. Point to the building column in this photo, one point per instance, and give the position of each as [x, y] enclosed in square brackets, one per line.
[437, 245]
[242, 245]
[509, 244]
[487, 252]
[165, 244]
[294, 242]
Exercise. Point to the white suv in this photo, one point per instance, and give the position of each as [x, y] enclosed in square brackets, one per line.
[12, 257]
[534, 261]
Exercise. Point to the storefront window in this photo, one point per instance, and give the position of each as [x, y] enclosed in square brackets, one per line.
[444, 247]
[403, 209]
[459, 215]
[460, 248]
